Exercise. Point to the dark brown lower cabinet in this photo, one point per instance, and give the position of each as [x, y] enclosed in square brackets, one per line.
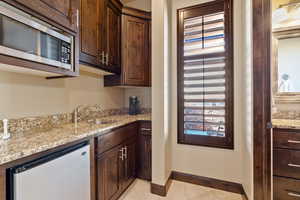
[144, 157]
[286, 188]
[110, 166]
[116, 167]
[144, 169]
[286, 164]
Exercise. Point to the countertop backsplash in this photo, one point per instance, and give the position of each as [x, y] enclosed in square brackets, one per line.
[85, 112]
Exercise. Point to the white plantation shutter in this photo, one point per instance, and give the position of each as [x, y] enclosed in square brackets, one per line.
[204, 71]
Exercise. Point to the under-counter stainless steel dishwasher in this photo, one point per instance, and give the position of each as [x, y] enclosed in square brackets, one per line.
[64, 175]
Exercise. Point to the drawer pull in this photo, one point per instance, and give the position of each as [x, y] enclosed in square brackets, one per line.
[294, 141]
[146, 129]
[292, 194]
[293, 165]
[122, 154]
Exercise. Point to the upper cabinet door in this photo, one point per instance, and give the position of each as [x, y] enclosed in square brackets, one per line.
[135, 44]
[90, 27]
[63, 12]
[101, 34]
[113, 36]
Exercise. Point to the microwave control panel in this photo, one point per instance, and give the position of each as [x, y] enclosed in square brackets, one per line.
[65, 53]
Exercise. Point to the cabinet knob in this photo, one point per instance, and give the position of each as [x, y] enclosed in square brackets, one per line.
[145, 129]
[294, 141]
[125, 150]
[293, 165]
[292, 194]
[106, 59]
[102, 57]
[122, 153]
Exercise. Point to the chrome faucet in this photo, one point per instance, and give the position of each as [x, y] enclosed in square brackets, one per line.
[75, 116]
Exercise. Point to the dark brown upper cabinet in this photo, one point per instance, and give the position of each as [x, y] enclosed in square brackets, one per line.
[90, 30]
[63, 12]
[113, 36]
[135, 47]
[100, 37]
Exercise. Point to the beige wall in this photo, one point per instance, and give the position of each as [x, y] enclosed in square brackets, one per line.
[203, 161]
[27, 95]
[247, 101]
[161, 136]
[144, 95]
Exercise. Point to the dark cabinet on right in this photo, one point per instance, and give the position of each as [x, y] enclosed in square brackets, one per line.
[144, 157]
[135, 50]
[286, 164]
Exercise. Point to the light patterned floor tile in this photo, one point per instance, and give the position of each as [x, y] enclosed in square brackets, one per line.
[140, 190]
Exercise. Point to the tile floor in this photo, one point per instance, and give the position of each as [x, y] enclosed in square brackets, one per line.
[140, 190]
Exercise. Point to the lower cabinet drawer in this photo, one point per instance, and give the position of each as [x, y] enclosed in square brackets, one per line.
[286, 138]
[286, 189]
[145, 128]
[286, 163]
[116, 137]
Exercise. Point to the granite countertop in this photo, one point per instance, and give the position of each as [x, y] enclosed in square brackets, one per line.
[286, 123]
[28, 143]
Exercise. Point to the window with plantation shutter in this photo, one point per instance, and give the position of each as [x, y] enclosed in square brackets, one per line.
[205, 74]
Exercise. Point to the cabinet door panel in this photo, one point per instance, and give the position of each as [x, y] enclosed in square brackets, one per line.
[286, 163]
[144, 157]
[130, 163]
[90, 31]
[286, 188]
[63, 12]
[109, 174]
[135, 50]
[103, 26]
[113, 36]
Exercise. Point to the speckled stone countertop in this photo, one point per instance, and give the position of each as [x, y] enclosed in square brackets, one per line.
[28, 143]
[286, 123]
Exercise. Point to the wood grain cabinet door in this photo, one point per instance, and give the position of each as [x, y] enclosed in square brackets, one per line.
[90, 28]
[113, 36]
[130, 163]
[144, 157]
[63, 12]
[110, 172]
[135, 48]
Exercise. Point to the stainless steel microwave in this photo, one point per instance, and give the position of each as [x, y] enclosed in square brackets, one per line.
[25, 37]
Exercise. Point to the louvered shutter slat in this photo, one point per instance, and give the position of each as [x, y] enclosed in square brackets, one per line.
[204, 75]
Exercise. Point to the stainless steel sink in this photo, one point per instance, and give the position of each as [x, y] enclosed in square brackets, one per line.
[101, 121]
